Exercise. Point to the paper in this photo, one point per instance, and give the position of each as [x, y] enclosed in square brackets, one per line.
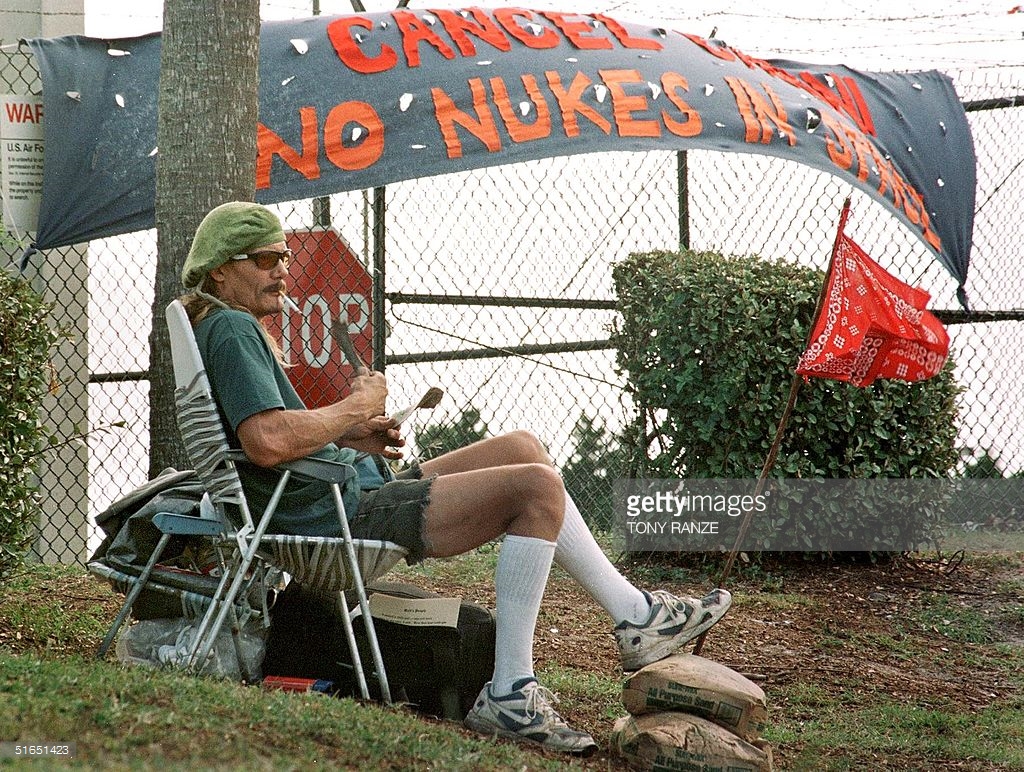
[416, 612]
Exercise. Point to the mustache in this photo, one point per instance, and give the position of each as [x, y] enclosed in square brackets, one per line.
[278, 286]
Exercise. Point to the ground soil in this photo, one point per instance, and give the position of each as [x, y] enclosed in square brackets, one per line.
[829, 626]
[860, 608]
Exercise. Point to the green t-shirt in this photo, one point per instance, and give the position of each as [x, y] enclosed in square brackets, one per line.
[246, 379]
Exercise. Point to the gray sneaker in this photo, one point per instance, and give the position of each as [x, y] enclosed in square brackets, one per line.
[526, 714]
[672, 623]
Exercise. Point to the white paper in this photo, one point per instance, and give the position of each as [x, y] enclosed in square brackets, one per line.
[416, 612]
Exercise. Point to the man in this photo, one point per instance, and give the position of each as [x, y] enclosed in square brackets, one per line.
[505, 486]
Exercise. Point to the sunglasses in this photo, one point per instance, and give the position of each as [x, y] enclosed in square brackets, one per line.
[267, 259]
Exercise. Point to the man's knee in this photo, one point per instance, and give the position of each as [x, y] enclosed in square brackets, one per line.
[545, 491]
[524, 447]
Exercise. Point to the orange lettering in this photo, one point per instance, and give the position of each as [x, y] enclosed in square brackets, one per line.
[460, 28]
[367, 151]
[849, 101]
[623, 36]
[517, 130]
[575, 31]
[414, 32]
[570, 102]
[691, 125]
[845, 141]
[338, 32]
[270, 144]
[835, 144]
[758, 116]
[449, 116]
[624, 105]
[507, 18]
[722, 52]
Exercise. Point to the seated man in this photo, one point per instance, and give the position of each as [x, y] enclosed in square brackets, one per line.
[505, 486]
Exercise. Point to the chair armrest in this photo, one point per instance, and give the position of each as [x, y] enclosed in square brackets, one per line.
[186, 525]
[315, 468]
[320, 469]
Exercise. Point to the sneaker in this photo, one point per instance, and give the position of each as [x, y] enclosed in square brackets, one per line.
[673, 622]
[526, 714]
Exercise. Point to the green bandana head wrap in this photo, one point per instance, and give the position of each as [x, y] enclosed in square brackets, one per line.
[235, 228]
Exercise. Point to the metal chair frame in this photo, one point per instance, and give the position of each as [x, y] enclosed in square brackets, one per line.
[250, 544]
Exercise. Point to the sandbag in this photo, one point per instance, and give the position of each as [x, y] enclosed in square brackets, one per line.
[692, 684]
[680, 741]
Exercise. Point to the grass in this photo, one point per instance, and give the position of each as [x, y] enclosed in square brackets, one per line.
[139, 719]
[840, 737]
[852, 704]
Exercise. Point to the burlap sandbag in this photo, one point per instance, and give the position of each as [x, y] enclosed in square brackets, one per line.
[691, 684]
[663, 741]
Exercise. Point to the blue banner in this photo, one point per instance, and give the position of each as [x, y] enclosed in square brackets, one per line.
[362, 100]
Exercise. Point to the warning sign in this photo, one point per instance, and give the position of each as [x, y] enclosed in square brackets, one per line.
[21, 160]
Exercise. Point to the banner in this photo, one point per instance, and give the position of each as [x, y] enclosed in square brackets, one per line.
[362, 100]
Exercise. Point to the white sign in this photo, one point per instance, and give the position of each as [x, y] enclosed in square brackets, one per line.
[416, 612]
[21, 160]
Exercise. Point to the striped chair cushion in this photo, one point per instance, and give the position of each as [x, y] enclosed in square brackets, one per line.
[319, 562]
[205, 440]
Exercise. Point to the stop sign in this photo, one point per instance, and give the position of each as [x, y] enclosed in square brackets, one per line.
[326, 281]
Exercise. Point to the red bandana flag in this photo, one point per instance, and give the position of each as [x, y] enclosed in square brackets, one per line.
[871, 324]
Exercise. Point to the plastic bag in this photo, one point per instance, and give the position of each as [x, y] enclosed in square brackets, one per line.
[166, 642]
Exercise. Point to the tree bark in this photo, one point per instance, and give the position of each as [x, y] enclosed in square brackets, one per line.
[206, 135]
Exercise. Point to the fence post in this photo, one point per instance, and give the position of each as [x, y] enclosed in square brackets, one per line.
[379, 233]
[683, 194]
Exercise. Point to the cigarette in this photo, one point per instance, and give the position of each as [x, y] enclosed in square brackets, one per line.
[290, 303]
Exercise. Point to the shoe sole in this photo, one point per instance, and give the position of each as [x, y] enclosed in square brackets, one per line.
[671, 645]
[485, 728]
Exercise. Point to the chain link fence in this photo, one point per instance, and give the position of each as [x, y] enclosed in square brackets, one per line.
[496, 286]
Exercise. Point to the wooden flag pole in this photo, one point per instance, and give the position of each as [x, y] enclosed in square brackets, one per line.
[780, 430]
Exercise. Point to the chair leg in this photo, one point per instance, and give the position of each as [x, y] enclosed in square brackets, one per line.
[364, 605]
[353, 647]
[133, 594]
[252, 543]
[211, 611]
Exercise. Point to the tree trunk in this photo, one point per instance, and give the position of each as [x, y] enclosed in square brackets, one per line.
[206, 134]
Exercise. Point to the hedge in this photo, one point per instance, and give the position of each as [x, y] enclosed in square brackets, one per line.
[26, 341]
[709, 345]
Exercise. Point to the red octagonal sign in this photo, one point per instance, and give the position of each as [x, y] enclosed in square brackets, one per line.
[326, 281]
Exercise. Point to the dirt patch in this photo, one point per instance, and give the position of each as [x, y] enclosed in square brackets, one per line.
[848, 632]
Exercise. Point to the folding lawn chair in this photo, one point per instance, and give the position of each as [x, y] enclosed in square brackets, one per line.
[326, 564]
[161, 544]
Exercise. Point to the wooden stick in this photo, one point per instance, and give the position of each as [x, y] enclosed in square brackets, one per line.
[339, 331]
[780, 430]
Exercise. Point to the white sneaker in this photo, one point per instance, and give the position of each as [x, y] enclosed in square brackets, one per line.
[526, 714]
[673, 622]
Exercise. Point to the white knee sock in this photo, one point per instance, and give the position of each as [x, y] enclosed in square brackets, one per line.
[584, 560]
[519, 580]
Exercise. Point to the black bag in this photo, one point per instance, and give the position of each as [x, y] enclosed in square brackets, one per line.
[130, 538]
[436, 670]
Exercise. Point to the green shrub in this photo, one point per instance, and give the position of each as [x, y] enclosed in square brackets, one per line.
[710, 346]
[26, 341]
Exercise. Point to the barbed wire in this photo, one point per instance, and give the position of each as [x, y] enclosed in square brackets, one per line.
[500, 350]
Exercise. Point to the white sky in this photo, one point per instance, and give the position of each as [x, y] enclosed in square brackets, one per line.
[864, 34]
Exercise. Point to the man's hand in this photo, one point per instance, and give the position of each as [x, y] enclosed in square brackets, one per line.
[371, 388]
[377, 435]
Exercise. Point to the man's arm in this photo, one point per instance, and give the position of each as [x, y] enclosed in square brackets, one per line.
[274, 436]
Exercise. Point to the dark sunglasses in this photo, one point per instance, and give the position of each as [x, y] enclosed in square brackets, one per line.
[267, 259]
